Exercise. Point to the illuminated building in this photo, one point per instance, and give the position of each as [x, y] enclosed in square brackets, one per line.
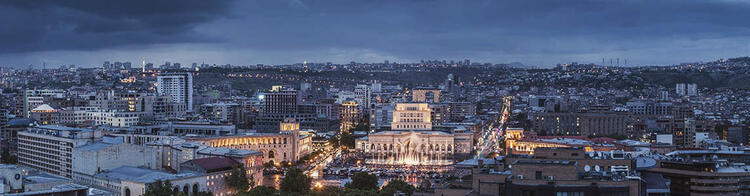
[414, 147]
[45, 114]
[349, 115]
[412, 142]
[525, 143]
[411, 116]
[34, 98]
[288, 145]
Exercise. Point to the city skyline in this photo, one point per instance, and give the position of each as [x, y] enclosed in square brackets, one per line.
[541, 33]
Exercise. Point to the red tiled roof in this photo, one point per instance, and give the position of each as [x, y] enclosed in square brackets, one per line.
[216, 163]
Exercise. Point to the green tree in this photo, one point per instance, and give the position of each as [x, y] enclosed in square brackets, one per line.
[7, 158]
[261, 191]
[347, 139]
[363, 181]
[238, 180]
[295, 182]
[363, 125]
[334, 141]
[160, 188]
[327, 191]
[359, 192]
[204, 193]
[424, 185]
[395, 186]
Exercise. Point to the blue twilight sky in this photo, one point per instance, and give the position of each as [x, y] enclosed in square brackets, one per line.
[241, 32]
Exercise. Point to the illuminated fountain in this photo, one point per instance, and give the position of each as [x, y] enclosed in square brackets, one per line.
[410, 148]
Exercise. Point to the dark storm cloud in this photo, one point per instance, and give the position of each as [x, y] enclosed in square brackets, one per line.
[29, 26]
[280, 31]
[426, 28]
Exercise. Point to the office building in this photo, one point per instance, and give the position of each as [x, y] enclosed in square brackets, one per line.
[49, 148]
[178, 87]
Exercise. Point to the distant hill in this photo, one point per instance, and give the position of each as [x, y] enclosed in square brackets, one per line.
[703, 79]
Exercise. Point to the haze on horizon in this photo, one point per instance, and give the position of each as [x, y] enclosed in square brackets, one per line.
[540, 33]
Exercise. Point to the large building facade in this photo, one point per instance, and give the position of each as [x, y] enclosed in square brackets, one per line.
[411, 140]
[178, 87]
[414, 147]
[49, 148]
[288, 145]
[412, 116]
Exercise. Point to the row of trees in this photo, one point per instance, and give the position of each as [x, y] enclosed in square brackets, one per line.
[295, 182]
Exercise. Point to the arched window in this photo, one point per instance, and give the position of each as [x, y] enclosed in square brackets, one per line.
[271, 155]
[195, 189]
[186, 189]
[127, 191]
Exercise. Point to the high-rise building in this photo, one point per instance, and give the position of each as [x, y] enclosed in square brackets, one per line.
[363, 94]
[281, 103]
[692, 90]
[177, 86]
[681, 89]
[349, 115]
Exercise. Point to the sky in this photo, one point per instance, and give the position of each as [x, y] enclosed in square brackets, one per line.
[242, 32]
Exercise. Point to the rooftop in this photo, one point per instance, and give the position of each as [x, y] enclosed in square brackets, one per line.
[43, 107]
[141, 175]
[544, 162]
[215, 163]
[229, 152]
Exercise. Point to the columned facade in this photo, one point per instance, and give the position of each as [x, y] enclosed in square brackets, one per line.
[430, 148]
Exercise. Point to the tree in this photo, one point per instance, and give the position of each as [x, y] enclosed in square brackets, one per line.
[363, 125]
[347, 139]
[204, 193]
[159, 188]
[237, 179]
[363, 181]
[295, 182]
[261, 191]
[327, 191]
[359, 192]
[395, 186]
[334, 141]
[424, 185]
[7, 158]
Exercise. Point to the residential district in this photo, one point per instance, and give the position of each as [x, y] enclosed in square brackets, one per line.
[434, 127]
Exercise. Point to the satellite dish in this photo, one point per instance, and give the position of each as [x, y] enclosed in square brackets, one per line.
[587, 168]
[597, 168]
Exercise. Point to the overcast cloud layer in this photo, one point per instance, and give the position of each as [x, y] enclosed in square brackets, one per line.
[540, 32]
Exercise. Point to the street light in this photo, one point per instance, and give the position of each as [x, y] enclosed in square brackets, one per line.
[318, 185]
